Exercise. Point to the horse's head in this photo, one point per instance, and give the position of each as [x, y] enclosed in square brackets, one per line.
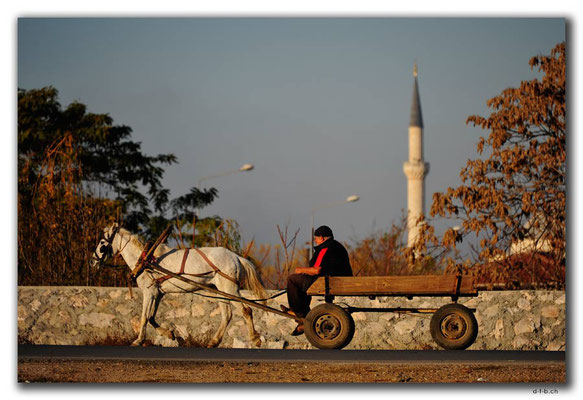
[104, 249]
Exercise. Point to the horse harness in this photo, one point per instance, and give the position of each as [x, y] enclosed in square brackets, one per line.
[164, 278]
[148, 258]
[107, 248]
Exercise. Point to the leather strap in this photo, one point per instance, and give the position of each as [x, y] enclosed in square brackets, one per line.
[184, 257]
[141, 261]
[209, 262]
[213, 266]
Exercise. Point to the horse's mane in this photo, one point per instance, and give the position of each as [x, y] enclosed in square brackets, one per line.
[162, 249]
[133, 238]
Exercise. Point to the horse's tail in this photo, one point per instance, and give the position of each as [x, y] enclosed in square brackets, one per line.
[251, 280]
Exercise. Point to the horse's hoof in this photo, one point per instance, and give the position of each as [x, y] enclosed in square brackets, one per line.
[136, 343]
[212, 344]
[166, 332]
[258, 343]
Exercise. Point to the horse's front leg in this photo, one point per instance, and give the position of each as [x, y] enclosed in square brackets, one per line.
[226, 315]
[151, 319]
[147, 307]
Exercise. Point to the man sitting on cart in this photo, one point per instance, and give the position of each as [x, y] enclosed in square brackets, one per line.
[330, 258]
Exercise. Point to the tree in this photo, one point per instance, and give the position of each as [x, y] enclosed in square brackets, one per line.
[109, 161]
[384, 252]
[76, 171]
[514, 199]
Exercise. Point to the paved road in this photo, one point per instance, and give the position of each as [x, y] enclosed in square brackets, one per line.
[33, 352]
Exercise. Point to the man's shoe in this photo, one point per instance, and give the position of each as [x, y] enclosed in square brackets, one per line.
[298, 331]
[287, 310]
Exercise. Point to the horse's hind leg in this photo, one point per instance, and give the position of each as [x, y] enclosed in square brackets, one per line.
[151, 319]
[226, 315]
[248, 315]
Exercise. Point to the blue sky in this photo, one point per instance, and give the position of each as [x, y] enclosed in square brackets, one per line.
[320, 106]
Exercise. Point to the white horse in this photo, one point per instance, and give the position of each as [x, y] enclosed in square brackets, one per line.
[120, 241]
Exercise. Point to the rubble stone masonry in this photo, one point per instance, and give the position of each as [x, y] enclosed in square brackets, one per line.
[507, 320]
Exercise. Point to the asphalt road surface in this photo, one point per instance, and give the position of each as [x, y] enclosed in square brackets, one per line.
[123, 364]
[36, 352]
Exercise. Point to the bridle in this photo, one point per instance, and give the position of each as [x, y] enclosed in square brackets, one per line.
[106, 249]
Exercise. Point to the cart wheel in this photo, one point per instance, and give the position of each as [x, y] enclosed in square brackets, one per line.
[328, 326]
[454, 327]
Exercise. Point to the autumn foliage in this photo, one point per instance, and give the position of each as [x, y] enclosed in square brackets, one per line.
[382, 252]
[58, 224]
[512, 201]
[77, 171]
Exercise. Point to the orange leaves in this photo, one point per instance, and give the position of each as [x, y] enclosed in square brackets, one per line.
[381, 253]
[451, 237]
[523, 174]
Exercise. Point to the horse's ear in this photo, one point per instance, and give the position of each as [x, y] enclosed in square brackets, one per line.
[110, 228]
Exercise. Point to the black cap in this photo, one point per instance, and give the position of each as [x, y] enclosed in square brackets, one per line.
[323, 231]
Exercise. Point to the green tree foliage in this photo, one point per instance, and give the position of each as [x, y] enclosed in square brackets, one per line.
[77, 171]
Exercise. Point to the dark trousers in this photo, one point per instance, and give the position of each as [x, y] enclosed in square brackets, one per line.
[298, 300]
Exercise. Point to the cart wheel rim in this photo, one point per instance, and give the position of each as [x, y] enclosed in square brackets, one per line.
[327, 327]
[453, 326]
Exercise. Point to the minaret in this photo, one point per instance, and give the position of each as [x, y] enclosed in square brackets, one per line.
[415, 169]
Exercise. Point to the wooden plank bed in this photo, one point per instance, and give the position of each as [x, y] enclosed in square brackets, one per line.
[420, 285]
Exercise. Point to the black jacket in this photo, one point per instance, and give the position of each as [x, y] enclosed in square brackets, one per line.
[332, 259]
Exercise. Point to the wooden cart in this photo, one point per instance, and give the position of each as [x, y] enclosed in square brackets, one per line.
[329, 326]
[453, 326]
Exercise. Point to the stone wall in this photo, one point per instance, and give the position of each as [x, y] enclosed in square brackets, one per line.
[507, 320]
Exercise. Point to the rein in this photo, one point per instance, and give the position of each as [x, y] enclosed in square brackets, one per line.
[115, 264]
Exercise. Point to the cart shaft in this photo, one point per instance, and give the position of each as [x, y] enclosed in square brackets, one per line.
[223, 294]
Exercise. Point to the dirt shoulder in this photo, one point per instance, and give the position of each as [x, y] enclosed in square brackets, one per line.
[30, 371]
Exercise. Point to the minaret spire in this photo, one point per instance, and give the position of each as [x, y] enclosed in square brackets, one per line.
[416, 119]
[416, 169]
